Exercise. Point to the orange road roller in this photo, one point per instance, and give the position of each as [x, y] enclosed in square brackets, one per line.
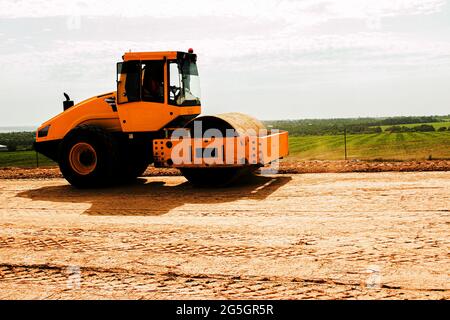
[153, 118]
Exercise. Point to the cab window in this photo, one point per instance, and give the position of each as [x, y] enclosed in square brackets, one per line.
[153, 81]
[128, 83]
[140, 81]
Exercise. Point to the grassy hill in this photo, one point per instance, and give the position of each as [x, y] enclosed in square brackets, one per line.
[388, 146]
[381, 146]
[23, 159]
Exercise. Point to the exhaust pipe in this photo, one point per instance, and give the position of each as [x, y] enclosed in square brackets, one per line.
[68, 103]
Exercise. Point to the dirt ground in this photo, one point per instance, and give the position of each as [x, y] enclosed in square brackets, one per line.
[288, 166]
[300, 236]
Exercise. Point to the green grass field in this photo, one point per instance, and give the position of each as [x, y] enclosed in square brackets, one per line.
[383, 146]
[23, 159]
[387, 146]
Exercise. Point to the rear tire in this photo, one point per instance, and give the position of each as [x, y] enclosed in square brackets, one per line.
[215, 177]
[135, 158]
[88, 157]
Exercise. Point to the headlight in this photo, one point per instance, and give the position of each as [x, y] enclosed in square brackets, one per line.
[43, 132]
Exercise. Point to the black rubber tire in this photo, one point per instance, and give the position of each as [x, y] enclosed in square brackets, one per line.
[135, 158]
[107, 157]
[136, 168]
[215, 177]
[132, 168]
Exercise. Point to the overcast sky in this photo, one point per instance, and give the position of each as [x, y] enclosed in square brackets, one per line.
[273, 59]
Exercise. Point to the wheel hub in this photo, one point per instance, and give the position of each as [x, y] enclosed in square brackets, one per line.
[83, 158]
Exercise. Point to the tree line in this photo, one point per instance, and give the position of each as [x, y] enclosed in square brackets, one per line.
[420, 128]
[18, 140]
[354, 125]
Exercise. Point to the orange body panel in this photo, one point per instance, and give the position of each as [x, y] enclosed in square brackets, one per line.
[93, 111]
[129, 56]
[229, 152]
[150, 116]
[268, 148]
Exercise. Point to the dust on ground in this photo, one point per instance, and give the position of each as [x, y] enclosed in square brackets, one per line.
[310, 236]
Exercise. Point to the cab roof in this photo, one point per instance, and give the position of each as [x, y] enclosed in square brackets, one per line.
[131, 56]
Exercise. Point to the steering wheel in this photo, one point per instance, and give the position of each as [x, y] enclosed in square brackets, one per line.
[176, 91]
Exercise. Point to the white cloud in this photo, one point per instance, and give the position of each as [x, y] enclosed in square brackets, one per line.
[287, 43]
[373, 49]
[304, 12]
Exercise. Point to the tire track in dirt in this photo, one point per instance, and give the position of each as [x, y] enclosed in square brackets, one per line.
[75, 245]
[302, 248]
[64, 283]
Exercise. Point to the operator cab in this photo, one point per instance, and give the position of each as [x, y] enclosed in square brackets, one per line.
[144, 77]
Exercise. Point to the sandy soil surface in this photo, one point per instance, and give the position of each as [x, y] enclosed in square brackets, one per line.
[331, 235]
[286, 166]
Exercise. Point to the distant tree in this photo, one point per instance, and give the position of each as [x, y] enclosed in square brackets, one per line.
[394, 129]
[18, 140]
[12, 146]
[442, 129]
[424, 128]
[377, 130]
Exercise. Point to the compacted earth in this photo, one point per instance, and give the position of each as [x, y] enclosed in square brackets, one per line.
[360, 235]
[291, 166]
